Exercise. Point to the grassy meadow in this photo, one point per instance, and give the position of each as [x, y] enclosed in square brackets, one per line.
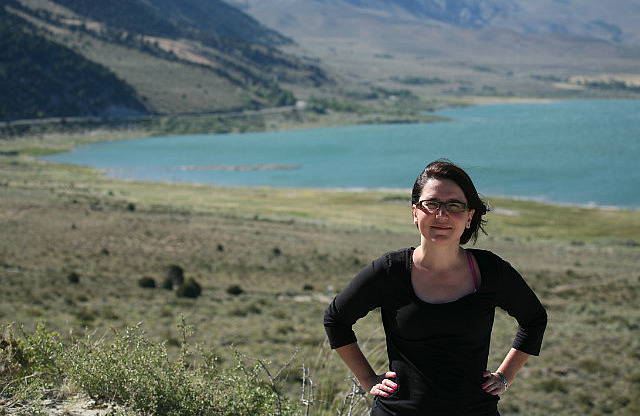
[74, 246]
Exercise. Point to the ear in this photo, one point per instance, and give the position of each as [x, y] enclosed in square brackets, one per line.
[414, 210]
[471, 212]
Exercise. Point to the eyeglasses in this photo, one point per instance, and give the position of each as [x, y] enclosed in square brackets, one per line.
[451, 206]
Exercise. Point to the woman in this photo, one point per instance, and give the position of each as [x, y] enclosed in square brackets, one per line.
[438, 303]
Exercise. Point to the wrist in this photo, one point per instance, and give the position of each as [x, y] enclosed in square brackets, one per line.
[368, 382]
[504, 380]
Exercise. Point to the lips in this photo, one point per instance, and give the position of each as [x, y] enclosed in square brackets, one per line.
[441, 227]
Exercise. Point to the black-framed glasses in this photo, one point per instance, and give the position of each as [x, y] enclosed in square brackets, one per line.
[450, 206]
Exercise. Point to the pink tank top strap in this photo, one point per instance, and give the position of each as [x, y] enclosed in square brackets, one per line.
[473, 269]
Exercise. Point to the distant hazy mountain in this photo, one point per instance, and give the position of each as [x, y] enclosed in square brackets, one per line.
[611, 20]
[466, 47]
[466, 13]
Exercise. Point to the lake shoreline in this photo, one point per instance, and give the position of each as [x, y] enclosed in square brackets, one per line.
[360, 190]
[515, 164]
[48, 144]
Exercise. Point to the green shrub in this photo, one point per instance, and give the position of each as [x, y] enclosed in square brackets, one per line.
[176, 274]
[138, 374]
[12, 357]
[189, 289]
[235, 290]
[73, 277]
[28, 370]
[147, 282]
[167, 283]
[43, 351]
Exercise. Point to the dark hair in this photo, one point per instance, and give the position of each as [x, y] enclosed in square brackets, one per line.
[445, 169]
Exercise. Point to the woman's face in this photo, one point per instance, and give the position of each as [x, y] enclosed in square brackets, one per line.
[441, 226]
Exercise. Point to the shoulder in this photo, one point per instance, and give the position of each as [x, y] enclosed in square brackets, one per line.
[486, 258]
[394, 260]
[375, 281]
[492, 265]
[393, 264]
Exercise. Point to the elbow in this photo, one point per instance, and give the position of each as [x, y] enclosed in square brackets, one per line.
[329, 316]
[543, 319]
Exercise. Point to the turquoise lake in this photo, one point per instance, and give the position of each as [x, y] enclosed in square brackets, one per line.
[564, 152]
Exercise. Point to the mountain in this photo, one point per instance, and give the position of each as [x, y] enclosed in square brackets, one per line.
[142, 56]
[544, 48]
[41, 78]
[613, 20]
[177, 18]
[124, 57]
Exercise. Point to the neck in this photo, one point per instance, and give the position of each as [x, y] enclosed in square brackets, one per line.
[436, 257]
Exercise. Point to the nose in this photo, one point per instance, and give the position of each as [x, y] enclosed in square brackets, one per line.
[441, 211]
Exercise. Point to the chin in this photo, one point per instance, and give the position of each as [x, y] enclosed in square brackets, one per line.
[444, 239]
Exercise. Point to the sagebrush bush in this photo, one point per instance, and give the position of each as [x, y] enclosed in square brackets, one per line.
[235, 290]
[137, 373]
[176, 274]
[28, 370]
[147, 282]
[12, 357]
[73, 277]
[128, 369]
[167, 283]
[189, 289]
[134, 372]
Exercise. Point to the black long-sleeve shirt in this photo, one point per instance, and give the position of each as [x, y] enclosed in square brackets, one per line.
[439, 351]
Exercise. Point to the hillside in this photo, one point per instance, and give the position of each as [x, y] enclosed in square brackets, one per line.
[490, 48]
[178, 18]
[174, 57]
[177, 57]
[41, 78]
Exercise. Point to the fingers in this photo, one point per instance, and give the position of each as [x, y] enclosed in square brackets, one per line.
[493, 385]
[385, 387]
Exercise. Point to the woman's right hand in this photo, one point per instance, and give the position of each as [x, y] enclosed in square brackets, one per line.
[382, 385]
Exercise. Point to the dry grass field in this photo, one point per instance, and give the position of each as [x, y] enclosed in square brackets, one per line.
[74, 246]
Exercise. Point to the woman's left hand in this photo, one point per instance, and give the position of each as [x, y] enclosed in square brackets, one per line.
[494, 384]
